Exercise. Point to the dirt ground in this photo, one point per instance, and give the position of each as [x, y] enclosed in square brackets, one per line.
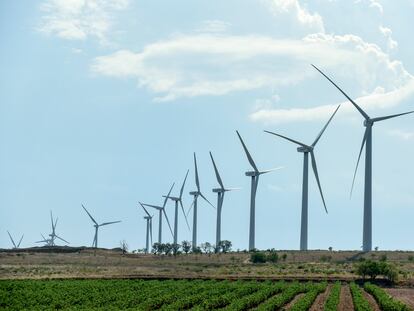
[102, 263]
[406, 295]
[319, 303]
[371, 301]
[345, 299]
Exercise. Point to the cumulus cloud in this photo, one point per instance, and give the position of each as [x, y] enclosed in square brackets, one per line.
[79, 19]
[296, 15]
[375, 4]
[208, 64]
[387, 33]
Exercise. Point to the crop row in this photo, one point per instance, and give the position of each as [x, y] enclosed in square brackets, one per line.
[385, 302]
[332, 302]
[360, 303]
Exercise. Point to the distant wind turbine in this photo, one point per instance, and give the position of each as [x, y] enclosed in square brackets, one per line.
[161, 210]
[178, 200]
[254, 182]
[367, 142]
[148, 218]
[196, 194]
[306, 150]
[220, 198]
[96, 225]
[15, 246]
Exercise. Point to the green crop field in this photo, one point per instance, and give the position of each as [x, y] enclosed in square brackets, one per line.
[180, 295]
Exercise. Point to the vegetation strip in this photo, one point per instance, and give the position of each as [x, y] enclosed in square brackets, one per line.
[385, 302]
[332, 302]
[306, 301]
[360, 303]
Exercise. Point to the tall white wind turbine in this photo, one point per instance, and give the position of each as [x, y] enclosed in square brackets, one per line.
[367, 142]
[254, 182]
[220, 198]
[148, 218]
[306, 150]
[96, 225]
[161, 210]
[15, 246]
[178, 200]
[196, 194]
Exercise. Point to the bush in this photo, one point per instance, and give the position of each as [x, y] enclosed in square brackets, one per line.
[272, 257]
[374, 268]
[258, 257]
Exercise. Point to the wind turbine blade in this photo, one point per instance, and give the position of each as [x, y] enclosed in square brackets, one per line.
[153, 206]
[18, 245]
[109, 223]
[142, 205]
[89, 215]
[315, 171]
[54, 228]
[168, 221]
[390, 116]
[182, 187]
[232, 189]
[197, 180]
[205, 199]
[217, 172]
[324, 128]
[168, 195]
[191, 206]
[271, 170]
[62, 239]
[150, 224]
[287, 138]
[51, 220]
[185, 217]
[43, 237]
[249, 157]
[359, 157]
[14, 244]
[349, 98]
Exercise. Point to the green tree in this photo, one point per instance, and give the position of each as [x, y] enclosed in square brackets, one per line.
[186, 246]
[225, 246]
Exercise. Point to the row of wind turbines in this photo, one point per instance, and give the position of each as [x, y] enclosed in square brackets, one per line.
[254, 174]
[307, 150]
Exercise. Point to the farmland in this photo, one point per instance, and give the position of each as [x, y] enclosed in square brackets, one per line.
[107, 279]
[188, 295]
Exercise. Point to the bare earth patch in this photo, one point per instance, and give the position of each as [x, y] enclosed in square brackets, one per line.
[345, 299]
[371, 301]
[405, 295]
[292, 302]
[319, 303]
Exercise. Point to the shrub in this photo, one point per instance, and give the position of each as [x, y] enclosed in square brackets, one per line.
[373, 269]
[272, 257]
[258, 257]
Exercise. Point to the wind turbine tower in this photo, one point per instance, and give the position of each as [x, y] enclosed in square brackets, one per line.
[161, 210]
[306, 150]
[254, 182]
[196, 194]
[367, 142]
[148, 218]
[220, 198]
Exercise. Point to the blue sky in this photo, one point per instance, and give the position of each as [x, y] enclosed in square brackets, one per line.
[104, 102]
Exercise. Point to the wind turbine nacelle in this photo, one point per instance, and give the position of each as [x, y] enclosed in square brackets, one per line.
[218, 190]
[368, 123]
[194, 193]
[304, 149]
[251, 173]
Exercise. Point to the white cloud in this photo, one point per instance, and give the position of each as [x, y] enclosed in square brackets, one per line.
[379, 99]
[79, 19]
[213, 26]
[207, 64]
[404, 135]
[297, 14]
[387, 33]
[375, 4]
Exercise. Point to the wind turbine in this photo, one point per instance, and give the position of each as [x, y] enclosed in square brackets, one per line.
[96, 225]
[161, 210]
[220, 197]
[45, 240]
[53, 235]
[306, 150]
[14, 244]
[178, 200]
[149, 228]
[196, 194]
[367, 142]
[254, 182]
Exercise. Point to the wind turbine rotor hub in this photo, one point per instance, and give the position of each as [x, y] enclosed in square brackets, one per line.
[218, 190]
[368, 123]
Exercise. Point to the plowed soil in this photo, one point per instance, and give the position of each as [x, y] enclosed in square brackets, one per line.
[292, 302]
[405, 295]
[371, 301]
[319, 303]
[345, 299]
